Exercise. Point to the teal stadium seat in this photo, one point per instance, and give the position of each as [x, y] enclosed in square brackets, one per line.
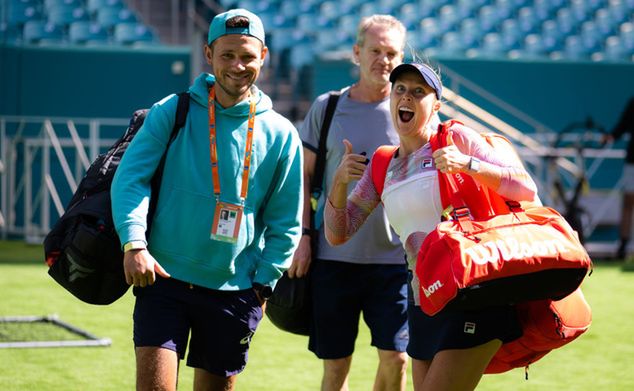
[447, 18]
[348, 24]
[574, 48]
[369, 8]
[579, 10]
[63, 15]
[452, 44]
[110, 17]
[605, 24]
[87, 33]
[133, 34]
[470, 32]
[551, 36]
[409, 15]
[527, 20]
[329, 39]
[488, 17]
[511, 33]
[543, 9]
[290, 9]
[19, 12]
[51, 4]
[428, 33]
[534, 46]
[330, 11]
[504, 8]
[615, 50]
[41, 33]
[626, 33]
[465, 9]
[10, 34]
[590, 36]
[619, 11]
[94, 6]
[424, 9]
[492, 46]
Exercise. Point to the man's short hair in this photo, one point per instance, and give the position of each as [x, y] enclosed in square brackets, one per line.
[387, 21]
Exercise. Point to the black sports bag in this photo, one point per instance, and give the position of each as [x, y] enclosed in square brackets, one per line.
[83, 250]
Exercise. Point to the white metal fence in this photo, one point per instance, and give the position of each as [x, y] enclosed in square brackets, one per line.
[43, 159]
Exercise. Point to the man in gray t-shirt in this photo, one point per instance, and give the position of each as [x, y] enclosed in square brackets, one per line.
[368, 274]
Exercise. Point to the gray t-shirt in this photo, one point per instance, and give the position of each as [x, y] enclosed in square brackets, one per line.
[366, 126]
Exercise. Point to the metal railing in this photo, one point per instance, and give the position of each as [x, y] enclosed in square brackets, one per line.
[547, 162]
[42, 158]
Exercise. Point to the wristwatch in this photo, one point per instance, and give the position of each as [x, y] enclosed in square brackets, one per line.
[264, 291]
[134, 245]
[474, 164]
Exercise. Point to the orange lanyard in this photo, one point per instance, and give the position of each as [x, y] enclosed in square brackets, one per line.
[213, 149]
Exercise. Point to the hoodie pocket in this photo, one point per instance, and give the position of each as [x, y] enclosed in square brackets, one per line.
[183, 228]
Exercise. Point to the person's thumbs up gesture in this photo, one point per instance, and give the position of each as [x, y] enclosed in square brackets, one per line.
[352, 165]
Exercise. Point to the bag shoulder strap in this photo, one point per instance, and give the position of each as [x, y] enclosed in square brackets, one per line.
[461, 191]
[380, 161]
[448, 187]
[320, 164]
[180, 117]
[182, 109]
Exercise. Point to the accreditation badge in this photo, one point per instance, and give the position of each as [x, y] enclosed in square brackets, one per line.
[226, 225]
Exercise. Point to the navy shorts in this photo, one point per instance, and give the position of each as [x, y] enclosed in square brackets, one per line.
[221, 323]
[341, 291]
[453, 329]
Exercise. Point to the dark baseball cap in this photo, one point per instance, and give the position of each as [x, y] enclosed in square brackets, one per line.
[218, 26]
[430, 76]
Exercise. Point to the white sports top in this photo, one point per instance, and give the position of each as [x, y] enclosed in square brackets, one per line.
[413, 204]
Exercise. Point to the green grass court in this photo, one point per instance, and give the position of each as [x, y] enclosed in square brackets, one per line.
[601, 359]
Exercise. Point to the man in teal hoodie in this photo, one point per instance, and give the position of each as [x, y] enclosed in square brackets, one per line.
[227, 219]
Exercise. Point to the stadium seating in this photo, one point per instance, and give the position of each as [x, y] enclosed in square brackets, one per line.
[576, 30]
[65, 14]
[74, 22]
[536, 28]
[87, 33]
[41, 32]
[133, 34]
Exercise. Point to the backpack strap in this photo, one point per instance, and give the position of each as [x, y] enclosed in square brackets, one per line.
[182, 109]
[317, 185]
[180, 117]
[380, 161]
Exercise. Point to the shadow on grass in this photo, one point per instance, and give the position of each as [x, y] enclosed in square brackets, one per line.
[14, 252]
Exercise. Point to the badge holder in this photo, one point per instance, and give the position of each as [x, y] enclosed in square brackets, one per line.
[226, 225]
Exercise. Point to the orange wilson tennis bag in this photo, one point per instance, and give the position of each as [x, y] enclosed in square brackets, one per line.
[524, 255]
[490, 256]
[546, 325]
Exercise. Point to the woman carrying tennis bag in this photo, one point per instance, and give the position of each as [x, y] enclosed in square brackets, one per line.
[505, 255]
[454, 347]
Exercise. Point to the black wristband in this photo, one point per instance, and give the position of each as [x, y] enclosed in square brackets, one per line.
[307, 231]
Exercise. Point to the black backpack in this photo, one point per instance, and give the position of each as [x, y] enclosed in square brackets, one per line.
[83, 250]
[290, 308]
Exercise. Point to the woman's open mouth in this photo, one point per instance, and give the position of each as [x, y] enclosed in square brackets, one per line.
[405, 114]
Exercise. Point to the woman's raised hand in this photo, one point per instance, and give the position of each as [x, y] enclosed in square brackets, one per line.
[352, 165]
